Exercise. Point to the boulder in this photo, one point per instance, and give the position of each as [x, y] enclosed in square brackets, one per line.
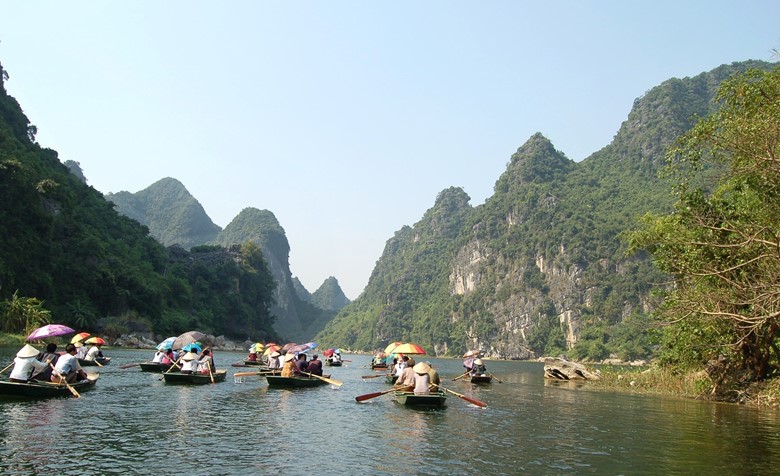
[562, 369]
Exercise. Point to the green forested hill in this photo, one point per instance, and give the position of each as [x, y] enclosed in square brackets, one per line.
[540, 268]
[64, 244]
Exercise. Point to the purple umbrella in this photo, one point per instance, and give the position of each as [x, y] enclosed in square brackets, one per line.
[50, 330]
[296, 349]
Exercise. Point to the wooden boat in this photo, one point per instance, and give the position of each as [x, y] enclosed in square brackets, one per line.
[436, 399]
[294, 382]
[35, 389]
[333, 363]
[391, 379]
[255, 363]
[157, 367]
[103, 361]
[481, 378]
[194, 379]
[378, 366]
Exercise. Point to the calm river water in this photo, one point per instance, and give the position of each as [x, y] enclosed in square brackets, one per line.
[132, 423]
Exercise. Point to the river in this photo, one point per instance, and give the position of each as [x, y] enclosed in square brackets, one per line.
[133, 423]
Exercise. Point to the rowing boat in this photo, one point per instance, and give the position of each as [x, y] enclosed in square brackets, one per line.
[294, 382]
[435, 399]
[103, 361]
[194, 379]
[378, 366]
[332, 363]
[481, 378]
[157, 367]
[35, 389]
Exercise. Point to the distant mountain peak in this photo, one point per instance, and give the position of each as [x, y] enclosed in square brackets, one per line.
[536, 161]
[329, 295]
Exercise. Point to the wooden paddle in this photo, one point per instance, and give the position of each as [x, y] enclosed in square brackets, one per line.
[62, 380]
[246, 374]
[460, 395]
[329, 380]
[8, 367]
[127, 366]
[460, 376]
[175, 364]
[210, 374]
[375, 376]
[368, 396]
[499, 380]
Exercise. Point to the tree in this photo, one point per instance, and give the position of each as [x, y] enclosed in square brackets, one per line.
[722, 246]
[22, 314]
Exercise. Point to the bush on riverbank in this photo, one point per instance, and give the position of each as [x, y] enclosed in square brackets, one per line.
[692, 384]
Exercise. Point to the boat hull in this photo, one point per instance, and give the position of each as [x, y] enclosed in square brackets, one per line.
[154, 367]
[410, 399]
[179, 378]
[481, 379]
[94, 363]
[34, 390]
[294, 382]
[331, 363]
[379, 366]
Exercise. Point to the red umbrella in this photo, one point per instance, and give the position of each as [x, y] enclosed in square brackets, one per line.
[329, 352]
[409, 349]
[49, 330]
[95, 340]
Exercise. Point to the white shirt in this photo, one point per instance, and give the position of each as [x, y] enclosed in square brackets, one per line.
[158, 356]
[92, 353]
[81, 352]
[66, 364]
[24, 365]
[191, 365]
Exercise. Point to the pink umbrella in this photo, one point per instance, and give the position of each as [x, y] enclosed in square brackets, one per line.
[50, 330]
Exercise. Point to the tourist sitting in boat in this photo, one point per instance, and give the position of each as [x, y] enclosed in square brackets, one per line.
[434, 376]
[252, 357]
[400, 366]
[422, 379]
[206, 362]
[273, 361]
[68, 367]
[379, 359]
[289, 368]
[168, 357]
[94, 352]
[301, 366]
[48, 357]
[81, 351]
[405, 382]
[479, 368]
[190, 365]
[158, 357]
[25, 364]
[336, 357]
[315, 366]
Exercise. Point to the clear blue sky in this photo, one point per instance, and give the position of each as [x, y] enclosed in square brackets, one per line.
[346, 118]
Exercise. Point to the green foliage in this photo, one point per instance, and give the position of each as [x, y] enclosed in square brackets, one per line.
[89, 267]
[22, 315]
[721, 245]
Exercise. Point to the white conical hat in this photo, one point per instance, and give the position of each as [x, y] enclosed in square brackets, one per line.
[189, 356]
[27, 351]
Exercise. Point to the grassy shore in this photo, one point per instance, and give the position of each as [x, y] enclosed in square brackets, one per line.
[697, 385]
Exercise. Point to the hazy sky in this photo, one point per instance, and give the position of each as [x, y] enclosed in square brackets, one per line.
[347, 118]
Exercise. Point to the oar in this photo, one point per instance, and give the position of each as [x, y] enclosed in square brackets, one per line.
[62, 380]
[460, 376]
[99, 364]
[499, 380]
[8, 367]
[127, 366]
[329, 380]
[460, 395]
[374, 376]
[246, 374]
[363, 398]
[210, 374]
[175, 364]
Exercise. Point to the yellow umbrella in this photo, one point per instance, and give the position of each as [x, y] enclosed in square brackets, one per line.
[391, 347]
[79, 337]
[409, 349]
[258, 347]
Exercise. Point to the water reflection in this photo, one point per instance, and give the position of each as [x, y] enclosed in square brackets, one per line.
[133, 423]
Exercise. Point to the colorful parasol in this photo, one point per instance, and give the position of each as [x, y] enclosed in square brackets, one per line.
[297, 349]
[95, 340]
[391, 347]
[166, 344]
[409, 349]
[196, 347]
[49, 330]
[270, 348]
[79, 337]
[328, 352]
[190, 337]
[258, 347]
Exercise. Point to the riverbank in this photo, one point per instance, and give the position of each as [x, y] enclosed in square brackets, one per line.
[696, 385]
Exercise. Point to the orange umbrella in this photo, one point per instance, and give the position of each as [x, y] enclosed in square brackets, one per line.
[391, 347]
[409, 349]
[271, 348]
[79, 337]
[95, 340]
